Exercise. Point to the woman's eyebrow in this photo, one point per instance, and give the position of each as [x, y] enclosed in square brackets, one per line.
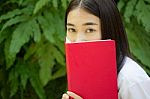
[90, 23]
[69, 24]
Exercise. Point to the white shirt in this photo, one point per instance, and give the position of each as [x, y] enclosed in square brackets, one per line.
[133, 82]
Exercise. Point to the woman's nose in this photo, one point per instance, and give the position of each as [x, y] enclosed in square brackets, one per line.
[81, 37]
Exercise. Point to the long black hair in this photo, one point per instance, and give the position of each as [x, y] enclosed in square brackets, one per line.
[111, 24]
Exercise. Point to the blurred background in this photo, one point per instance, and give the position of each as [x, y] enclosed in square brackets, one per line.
[32, 56]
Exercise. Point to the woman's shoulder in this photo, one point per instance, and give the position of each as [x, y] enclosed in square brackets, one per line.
[132, 72]
[133, 76]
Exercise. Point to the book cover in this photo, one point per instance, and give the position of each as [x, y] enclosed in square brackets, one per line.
[91, 69]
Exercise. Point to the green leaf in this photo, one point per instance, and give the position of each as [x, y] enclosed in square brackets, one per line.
[147, 1]
[47, 29]
[39, 5]
[20, 36]
[143, 14]
[36, 31]
[20, 2]
[13, 21]
[31, 50]
[59, 57]
[46, 62]
[23, 71]
[4, 35]
[38, 88]
[129, 10]
[24, 78]
[57, 27]
[60, 45]
[9, 58]
[35, 81]
[55, 3]
[10, 14]
[139, 44]
[64, 3]
[138, 28]
[120, 5]
[59, 73]
[13, 79]
[28, 10]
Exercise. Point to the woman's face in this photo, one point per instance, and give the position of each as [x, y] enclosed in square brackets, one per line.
[83, 26]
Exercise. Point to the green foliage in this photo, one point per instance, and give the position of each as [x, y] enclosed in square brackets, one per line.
[39, 5]
[136, 14]
[32, 43]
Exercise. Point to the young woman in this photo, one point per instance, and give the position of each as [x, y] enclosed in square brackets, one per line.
[88, 20]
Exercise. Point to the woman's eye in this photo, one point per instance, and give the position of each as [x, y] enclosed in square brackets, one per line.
[90, 30]
[71, 30]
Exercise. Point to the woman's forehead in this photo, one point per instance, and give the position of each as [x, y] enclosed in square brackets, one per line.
[81, 16]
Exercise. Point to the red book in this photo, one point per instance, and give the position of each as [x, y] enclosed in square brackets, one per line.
[91, 69]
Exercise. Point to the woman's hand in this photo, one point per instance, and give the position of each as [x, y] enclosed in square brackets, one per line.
[70, 94]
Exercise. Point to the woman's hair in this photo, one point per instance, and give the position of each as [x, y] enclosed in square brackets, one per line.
[111, 24]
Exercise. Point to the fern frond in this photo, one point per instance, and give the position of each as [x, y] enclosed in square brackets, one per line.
[64, 3]
[143, 14]
[13, 21]
[46, 62]
[4, 35]
[55, 3]
[47, 29]
[36, 31]
[129, 10]
[35, 81]
[20, 36]
[121, 5]
[14, 82]
[39, 5]
[9, 58]
[10, 14]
